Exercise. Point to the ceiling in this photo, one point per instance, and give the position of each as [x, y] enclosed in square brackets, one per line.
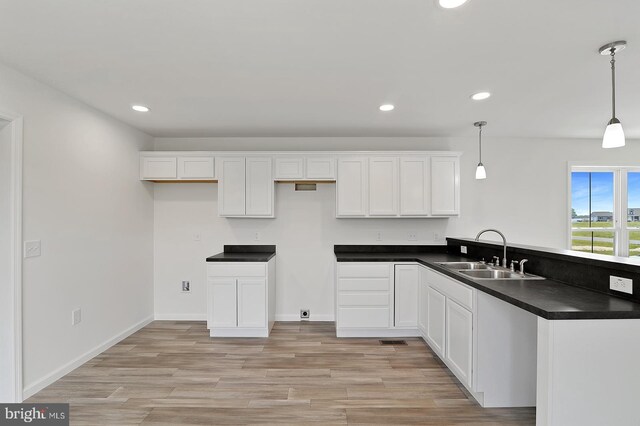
[322, 67]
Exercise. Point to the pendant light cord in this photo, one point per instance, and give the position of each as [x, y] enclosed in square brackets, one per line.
[613, 81]
[480, 144]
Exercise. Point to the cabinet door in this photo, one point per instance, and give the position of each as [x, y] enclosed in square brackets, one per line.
[158, 168]
[289, 168]
[231, 187]
[351, 187]
[259, 186]
[321, 168]
[414, 186]
[195, 168]
[459, 338]
[252, 302]
[445, 186]
[222, 303]
[383, 186]
[407, 279]
[422, 302]
[435, 320]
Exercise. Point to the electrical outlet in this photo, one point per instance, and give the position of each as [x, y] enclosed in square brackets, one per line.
[463, 249]
[305, 313]
[76, 316]
[379, 236]
[412, 236]
[32, 248]
[625, 285]
[186, 286]
[197, 237]
[437, 237]
[256, 236]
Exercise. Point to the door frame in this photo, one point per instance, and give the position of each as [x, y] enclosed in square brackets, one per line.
[16, 161]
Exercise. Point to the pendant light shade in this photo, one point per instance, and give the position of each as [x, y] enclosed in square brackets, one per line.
[481, 172]
[613, 134]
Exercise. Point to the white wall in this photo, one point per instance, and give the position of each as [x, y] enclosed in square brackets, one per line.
[524, 195]
[6, 295]
[83, 200]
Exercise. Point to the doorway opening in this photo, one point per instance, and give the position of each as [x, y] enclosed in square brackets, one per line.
[10, 258]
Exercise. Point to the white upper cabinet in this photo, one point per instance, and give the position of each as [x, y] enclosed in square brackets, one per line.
[176, 166]
[351, 187]
[245, 187]
[383, 186]
[152, 168]
[289, 168]
[414, 186]
[305, 167]
[445, 185]
[196, 168]
[259, 187]
[231, 186]
[320, 168]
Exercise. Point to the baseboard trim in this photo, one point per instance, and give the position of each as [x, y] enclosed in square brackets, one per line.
[314, 317]
[180, 317]
[77, 362]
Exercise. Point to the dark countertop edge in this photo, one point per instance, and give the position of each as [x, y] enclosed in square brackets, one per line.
[386, 249]
[257, 248]
[568, 315]
[622, 263]
[241, 257]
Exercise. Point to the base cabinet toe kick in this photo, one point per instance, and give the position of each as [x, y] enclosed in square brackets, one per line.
[576, 372]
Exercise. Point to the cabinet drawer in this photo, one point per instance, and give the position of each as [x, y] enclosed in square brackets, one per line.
[365, 317]
[363, 284]
[364, 270]
[237, 269]
[363, 299]
[456, 291]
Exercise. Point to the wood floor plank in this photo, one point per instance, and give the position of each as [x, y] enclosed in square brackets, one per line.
[174, 373]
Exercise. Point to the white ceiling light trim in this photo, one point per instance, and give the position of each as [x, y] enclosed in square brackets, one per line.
[387, 107]
[614, 134]
[480, 96]
[140, 108]
[450, 4]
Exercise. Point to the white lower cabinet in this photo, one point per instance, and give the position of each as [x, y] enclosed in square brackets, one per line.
[240, 298]
[406, 282]
[375, 299]
[436, 305]
[459, 340]
[423, 292]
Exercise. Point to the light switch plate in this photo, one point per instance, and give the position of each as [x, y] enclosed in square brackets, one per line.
[32, 248]
[76, 316]
[412, 236]
[625, 285]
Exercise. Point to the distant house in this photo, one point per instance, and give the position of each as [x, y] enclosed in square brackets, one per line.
[602, 216]
[633, 214]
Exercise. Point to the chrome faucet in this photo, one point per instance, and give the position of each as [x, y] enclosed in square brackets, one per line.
[504, 244]
[522, 266]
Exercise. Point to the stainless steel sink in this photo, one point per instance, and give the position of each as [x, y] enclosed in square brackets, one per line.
[464, 265]
[482, 271]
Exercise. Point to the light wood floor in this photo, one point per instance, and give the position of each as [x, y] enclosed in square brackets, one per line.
[173, 373]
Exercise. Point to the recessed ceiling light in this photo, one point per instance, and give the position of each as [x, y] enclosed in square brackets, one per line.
[480, 96]
[450, 4]
[140, 108]
[386, 107]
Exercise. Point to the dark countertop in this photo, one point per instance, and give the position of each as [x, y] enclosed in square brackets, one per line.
[253, 253]
[551, 300]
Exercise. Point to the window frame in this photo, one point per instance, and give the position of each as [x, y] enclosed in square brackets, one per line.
[620, 202]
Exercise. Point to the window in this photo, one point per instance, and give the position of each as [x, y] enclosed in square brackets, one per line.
[605, 210]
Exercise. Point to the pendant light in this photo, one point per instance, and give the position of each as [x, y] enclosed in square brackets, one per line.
[614, 134]
[481, 173]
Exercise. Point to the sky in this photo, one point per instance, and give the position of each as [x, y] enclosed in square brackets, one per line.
[601, 191]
